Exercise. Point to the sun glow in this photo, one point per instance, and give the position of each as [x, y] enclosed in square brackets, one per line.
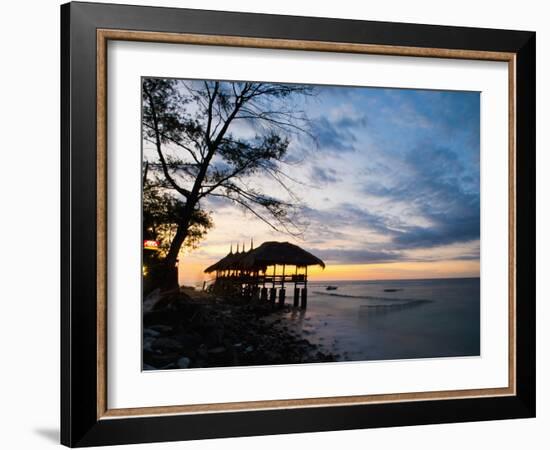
[396, 270]
[191, 272]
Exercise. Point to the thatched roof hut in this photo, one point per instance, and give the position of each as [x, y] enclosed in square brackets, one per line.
[228, 262]
[280, 253]
[244, 274]
[267, 254]
[220, 265]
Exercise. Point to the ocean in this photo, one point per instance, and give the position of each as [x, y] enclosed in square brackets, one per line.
[399, 319]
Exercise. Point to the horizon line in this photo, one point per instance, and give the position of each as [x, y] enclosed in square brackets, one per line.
[403, 279]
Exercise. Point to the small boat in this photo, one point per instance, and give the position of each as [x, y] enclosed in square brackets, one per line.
[331, 288]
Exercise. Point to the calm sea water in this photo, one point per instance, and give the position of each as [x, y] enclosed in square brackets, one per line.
[402, 319]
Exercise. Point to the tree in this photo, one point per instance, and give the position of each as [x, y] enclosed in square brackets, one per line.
[161, 218]
[191, 126]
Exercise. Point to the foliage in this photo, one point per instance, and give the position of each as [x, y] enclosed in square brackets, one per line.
[191, 125]
[161, 215]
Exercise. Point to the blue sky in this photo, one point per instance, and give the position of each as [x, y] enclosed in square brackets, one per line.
[392, 176]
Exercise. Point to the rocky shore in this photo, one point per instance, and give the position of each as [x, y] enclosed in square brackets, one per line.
[189, 329]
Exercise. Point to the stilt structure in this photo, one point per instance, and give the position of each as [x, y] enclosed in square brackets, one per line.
[245, 274]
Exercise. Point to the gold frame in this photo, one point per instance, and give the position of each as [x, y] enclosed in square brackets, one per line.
[103, 36]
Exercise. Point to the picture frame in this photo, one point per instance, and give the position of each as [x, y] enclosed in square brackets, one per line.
[86, 418]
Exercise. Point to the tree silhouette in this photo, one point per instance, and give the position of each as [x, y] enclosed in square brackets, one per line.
[160, 219]
[191, 126]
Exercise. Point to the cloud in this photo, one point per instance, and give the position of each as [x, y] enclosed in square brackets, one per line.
[323, 175]
[395, 177]
[216, 203]
[331, 137]
[408, 116]
[429, 201]
[345, 215]
[347, 256]
[348, 116]
[332, 133]
[434, 187]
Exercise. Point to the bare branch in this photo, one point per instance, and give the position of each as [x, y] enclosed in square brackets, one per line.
[168, 138]
[178, 188]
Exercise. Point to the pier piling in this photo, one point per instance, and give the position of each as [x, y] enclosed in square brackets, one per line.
[282, 295]
[304, 298]
[296, 297]
[263, 294]
[272, 296]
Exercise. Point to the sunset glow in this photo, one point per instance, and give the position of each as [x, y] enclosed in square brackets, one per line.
[191, 272]
[387, 189]
[350, 215]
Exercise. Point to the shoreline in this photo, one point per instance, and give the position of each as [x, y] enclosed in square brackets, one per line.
[193, 329]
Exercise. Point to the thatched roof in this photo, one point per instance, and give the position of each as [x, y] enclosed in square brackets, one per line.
[227, 262]
[218, 265]
[271, 253]
[268, 254]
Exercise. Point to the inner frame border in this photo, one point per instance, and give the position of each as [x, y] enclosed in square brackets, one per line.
[102, 38]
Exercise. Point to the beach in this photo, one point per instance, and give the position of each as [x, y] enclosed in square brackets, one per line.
[189, 329]
[351, 321]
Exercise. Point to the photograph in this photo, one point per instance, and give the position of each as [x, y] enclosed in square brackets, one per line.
[277, 224]
[289, 223]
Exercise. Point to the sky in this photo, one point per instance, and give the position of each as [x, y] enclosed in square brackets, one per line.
[389, 189]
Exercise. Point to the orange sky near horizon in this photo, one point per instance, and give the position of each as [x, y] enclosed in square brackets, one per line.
[384, 185]
[191, 273]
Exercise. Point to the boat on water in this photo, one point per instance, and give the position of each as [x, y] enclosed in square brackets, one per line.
[331, 288]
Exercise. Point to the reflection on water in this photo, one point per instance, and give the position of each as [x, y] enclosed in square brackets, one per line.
[403, 319]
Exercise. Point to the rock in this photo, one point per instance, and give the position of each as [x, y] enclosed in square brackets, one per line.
[160, 328]
[183, 332]
[216, 350]
[159, 359]
[150, 301]
[147, 344]
[202, 352]
[221, 358]
[149, 332]
[169, 366]
[188, 340]
[184, 363]
[166, 344]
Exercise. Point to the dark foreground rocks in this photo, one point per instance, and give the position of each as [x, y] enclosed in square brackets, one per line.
[190, 330]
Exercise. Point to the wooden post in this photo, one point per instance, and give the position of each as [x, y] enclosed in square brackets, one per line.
[304, 298]
[272, 296]
[282, 295]
[263, 294]
[296, 290]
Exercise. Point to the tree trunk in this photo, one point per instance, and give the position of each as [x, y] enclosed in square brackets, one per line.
[167, 276]
[193, 196]
[160, 276]
[177, 242]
